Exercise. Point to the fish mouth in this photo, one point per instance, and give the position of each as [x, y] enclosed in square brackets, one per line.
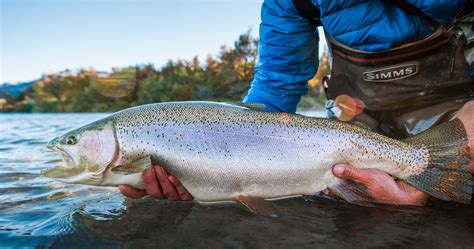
[66, 169]
[68, 160]
[52, 145]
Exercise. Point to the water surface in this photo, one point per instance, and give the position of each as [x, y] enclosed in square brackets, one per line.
[35, 211]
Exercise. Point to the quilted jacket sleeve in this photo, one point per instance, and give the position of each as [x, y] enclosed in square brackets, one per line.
[287, 57]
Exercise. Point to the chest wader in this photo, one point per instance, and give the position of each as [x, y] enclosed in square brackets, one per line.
[402, 91]
[407, 89]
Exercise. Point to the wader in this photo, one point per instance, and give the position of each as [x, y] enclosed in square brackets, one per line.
[407, 89]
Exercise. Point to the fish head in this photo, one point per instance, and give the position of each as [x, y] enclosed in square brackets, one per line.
[86, 153]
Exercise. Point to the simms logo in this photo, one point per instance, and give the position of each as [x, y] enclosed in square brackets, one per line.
[391, 73]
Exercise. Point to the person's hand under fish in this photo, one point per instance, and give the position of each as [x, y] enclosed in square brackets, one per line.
[160, 184]
[381, 186]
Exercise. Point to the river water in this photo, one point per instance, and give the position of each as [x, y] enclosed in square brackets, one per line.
[39, 212]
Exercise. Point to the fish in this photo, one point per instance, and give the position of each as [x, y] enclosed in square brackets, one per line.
[241, 152]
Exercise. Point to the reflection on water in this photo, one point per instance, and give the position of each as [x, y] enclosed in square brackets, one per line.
[35, 211]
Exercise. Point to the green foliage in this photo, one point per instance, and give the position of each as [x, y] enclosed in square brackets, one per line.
[225, 77]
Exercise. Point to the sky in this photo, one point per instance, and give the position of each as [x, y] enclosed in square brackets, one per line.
[38, 36]
[51, 35]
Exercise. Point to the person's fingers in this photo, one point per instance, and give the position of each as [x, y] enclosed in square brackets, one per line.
[182, 191]
[131, 191]
[168, 189]
[348, 172]
[151, 183]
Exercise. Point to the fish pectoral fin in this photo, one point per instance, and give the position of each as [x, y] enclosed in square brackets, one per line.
[352, 192]
[258, 206]
[136, 166]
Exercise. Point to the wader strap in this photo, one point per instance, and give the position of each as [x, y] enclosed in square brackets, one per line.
[307, 10]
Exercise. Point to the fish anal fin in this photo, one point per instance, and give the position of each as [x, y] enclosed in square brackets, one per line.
[258, 206]
[136, 166]
[352, 192]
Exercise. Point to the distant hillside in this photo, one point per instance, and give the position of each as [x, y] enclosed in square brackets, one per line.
[14, 89]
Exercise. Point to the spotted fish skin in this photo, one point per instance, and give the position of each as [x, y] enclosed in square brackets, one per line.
[220, 151]
[223, 151]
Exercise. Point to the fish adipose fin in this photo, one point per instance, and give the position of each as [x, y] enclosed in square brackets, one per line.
[258, 206]
[136, 166]
[447, 176]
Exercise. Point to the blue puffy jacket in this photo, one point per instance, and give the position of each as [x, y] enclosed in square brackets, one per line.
[289, 43]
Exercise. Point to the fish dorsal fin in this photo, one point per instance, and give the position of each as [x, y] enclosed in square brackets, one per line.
[136, 166]
[258, 206]
[253, 106]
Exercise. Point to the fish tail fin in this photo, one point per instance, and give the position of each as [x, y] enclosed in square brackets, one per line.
[447, 176]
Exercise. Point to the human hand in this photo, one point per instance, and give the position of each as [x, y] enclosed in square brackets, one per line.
[158, 183]
[381, 186]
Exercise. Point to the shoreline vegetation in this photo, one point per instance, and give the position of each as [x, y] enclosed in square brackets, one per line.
[225, 77]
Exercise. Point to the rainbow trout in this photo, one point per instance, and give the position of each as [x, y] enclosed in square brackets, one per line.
[225, 151]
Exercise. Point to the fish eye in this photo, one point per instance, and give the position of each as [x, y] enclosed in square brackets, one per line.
[71, 140]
